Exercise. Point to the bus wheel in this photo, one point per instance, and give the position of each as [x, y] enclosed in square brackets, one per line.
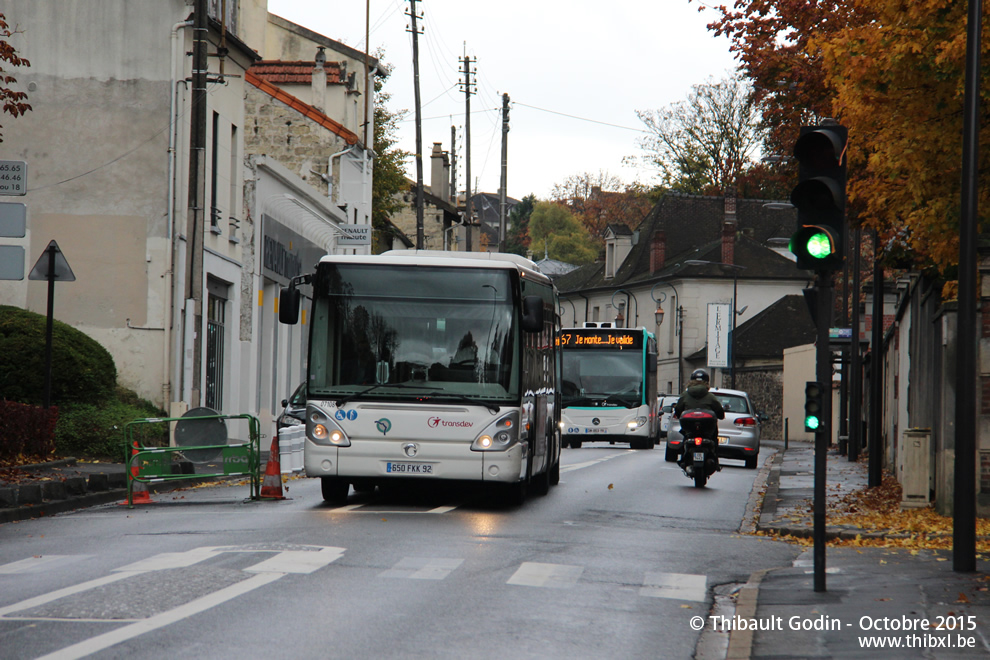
[541, 482]
[515, 493]
[576, 444]
[334, 490]
[555, 472]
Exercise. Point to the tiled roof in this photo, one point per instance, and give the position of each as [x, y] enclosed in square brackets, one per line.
[293, 73]
[692, 227]
[784, 324]
[303, 108]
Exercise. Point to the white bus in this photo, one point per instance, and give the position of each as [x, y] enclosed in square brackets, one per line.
[609, 386]
[427, 365]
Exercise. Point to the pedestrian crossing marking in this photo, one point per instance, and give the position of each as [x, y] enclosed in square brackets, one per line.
[422, 568]
[553, 576]
[678, 586]
[39, 563]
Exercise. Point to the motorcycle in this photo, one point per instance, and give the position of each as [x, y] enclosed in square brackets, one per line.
[699, 428]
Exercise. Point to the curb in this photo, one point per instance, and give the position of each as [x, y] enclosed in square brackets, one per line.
[741, 641]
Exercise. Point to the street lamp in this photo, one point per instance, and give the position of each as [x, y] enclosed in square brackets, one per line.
[735, 268]
[618, 317]
[659, 299]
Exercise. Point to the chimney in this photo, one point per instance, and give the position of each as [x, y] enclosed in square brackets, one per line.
[439, 172]
[320, 80]
[658, 251]
[729, 227]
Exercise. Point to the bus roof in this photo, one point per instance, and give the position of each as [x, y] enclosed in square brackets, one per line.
[444, 258]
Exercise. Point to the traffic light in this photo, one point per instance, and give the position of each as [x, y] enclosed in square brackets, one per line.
[813, 407]
[820, 198]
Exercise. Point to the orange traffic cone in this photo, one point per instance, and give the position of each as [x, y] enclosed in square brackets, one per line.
[271, 486]
[139, 489]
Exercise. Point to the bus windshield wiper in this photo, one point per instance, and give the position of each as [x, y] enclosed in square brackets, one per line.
[352, 395]
[461, 397]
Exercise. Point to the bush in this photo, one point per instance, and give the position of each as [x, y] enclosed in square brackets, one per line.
[98, 431]
[83, 372]
[27, 433]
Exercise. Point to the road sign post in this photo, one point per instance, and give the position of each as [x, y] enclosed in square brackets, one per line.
[53, 267]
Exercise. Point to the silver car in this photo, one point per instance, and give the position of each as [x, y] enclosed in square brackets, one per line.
[738, 433]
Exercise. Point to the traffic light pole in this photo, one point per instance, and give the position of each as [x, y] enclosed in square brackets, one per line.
[823, 373]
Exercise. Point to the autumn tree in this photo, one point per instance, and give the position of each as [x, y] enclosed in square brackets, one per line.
[388, 173]
[602, 199]
[899, 87]
[701, 145]
[14, 102]
[517, 241]
[555, 232]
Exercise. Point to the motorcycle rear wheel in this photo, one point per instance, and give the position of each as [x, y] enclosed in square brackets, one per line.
[700, 478]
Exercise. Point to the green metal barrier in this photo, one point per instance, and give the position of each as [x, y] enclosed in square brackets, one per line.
[154, 464]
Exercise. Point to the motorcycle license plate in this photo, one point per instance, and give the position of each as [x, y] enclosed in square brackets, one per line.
[699, 456]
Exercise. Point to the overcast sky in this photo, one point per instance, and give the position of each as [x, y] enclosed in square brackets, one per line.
[576, 71]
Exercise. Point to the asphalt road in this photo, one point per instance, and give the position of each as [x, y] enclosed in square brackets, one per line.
[614, 562]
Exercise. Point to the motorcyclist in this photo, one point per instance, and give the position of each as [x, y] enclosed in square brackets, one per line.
[697, 396]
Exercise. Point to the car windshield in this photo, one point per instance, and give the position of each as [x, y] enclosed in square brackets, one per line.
[733, 403]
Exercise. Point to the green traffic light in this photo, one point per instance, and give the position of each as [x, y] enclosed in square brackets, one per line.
[819, 245]
[811, 422]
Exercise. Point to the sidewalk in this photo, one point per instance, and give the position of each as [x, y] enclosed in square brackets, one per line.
[876, 599]
[44, 489]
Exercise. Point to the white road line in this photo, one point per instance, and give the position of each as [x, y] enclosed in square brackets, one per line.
[68, 591]
[579, 466]
[298, 561]
[422, 568]
[108, 639]
[678, 586]
[554, 576]
[167, 560]
[38, 563]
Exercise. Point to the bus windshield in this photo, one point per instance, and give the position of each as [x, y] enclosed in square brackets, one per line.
[412, 332]
[602, 376]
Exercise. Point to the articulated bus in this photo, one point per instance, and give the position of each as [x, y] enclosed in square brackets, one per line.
[609, 386]
[428, 365]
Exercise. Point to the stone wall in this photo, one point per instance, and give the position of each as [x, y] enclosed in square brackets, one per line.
[766, 391]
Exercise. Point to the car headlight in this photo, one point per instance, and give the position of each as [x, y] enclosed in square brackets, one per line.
[636, 423]
[499, 435]
[323, 430]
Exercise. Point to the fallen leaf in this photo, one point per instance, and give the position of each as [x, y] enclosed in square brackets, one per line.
[686, 607]
[882, 600]
[610, 486]
[962, 598]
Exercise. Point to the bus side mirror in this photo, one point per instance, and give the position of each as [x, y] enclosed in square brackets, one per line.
[532, 314]
[288, 305]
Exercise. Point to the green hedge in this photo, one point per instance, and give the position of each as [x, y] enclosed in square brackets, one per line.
[83, 372]
[97, 431]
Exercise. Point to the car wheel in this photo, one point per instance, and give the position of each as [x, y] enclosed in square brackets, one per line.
[751, 462]
[334, 490]
[670, 455]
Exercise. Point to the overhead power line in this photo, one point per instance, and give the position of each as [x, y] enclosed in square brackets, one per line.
[593, 121]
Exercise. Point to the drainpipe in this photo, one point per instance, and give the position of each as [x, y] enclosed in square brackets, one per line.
[587, 303]
[168, 308]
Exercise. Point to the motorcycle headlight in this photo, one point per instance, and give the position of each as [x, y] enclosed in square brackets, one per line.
[499, 435]
[323, 430]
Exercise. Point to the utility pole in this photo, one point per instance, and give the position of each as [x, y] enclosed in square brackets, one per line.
[196, 197]
[453, 165]
[367, 71]
[856, 380]
[467, 86]
[419, 127]
[505, 163]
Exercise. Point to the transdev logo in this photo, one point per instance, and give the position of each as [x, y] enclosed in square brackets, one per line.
[383, 425]
[434, 422]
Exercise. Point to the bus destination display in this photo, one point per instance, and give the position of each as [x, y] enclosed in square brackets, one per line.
[601, 339]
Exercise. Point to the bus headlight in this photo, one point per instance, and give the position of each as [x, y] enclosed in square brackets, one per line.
[636, 423]
[499, 435]
[323, 430]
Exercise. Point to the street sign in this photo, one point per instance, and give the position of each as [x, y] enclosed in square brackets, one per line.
[62, 271]
[11, 262]
[840, 335]
[13, 177]
[13, 219]
[356, 235]
[719, 320]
